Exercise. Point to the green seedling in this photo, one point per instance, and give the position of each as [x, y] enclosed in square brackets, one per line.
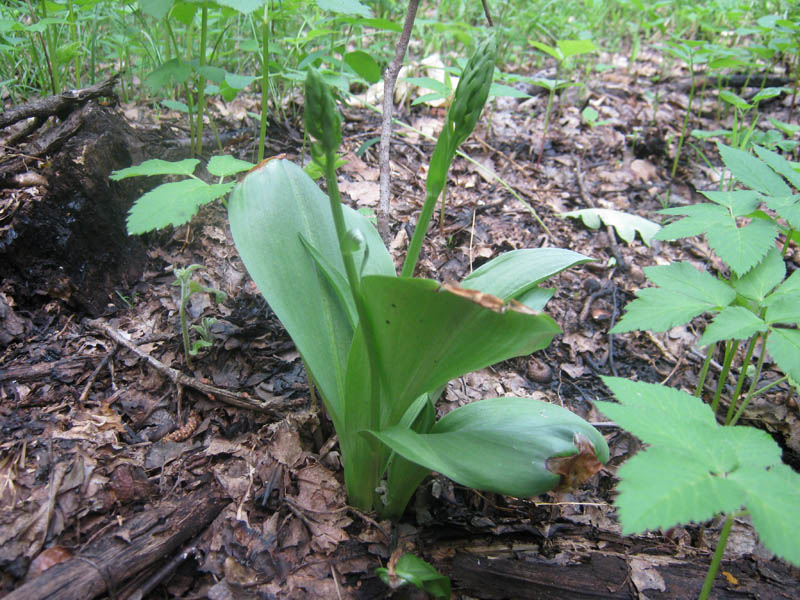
[563, 50]
[380, 348]
[175, 203]
[188, 286]
[410, 569]
[589, 116]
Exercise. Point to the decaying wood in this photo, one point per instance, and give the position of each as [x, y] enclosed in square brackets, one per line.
[60, 105]
[179, 378]
[130, 547]
[615, 576]
[43, 370]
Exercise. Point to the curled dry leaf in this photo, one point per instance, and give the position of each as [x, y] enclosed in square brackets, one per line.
[485, 300]
[575, 470]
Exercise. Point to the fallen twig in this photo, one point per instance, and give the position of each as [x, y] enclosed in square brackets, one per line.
[179, 378]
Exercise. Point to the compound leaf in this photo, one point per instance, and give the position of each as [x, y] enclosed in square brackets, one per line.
[684, 293]
[784, 347]
[733, 323]
[753, 172]
[156, 166]
[172, 204]
[762, 279]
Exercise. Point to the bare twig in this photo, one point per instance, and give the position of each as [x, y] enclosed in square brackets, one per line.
[389, 81]
[179, 378]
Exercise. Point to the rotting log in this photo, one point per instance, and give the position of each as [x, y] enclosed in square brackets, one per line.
[126, 549]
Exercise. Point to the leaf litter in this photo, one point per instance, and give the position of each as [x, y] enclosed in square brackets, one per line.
[86, 446]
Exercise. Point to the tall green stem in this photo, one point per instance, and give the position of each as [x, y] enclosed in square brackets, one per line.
[419, 235]
[701, 380]
[742, 375]
[717, 559]
[730, 351]
[262, 134]
[685, 118]
[201, 80]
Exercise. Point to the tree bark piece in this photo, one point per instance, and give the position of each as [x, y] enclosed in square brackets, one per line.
[127, 549]
[61, 105]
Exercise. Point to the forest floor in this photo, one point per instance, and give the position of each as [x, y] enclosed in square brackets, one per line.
[93, 435]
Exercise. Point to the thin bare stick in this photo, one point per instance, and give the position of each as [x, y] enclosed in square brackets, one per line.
[179, 378]
[389, 81]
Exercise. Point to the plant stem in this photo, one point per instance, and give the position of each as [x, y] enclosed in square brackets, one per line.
[262, 134]
[701, 380]
[184, 322]
[201, 81]
[717, 559]
[742, 374]
[419, 234]
[730, 351]
[753, 394]
[685, 118]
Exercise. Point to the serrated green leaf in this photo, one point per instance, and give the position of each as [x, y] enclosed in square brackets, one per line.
[733, 99]
[661, 488]
[740, 247]
[753, 172]
[684, 293]
[346, 7]
[625, 224]
[172, 204]
[785, 310]
[773, 500]
[157, 166]
[788, 290]
[787, 207]
[779, 164]
[784, 347]
[226, 165]
[762, 279]
[733, 323]
[693, 467]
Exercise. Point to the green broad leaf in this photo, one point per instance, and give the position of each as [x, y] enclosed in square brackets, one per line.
[345, 7]
[784, 347]
[427, 336]
[243, 6]
[430, 83]
[683, 293]
[226, 165]
[270, 210]
[626, 225]
[499, 90]
[411, 569]
[212, 73]
[516, 274]
[498, 445]
[571, 48]
[763, 278]
[733, 323]
[157, 9]
[733, 99]
[173, 71]
[785, 311]
[740, 247]
[363, 64]
[773, 498]
[753, 172]
[176, 105]
[693, 467]
[239, 82]
[157, 166]
[767, 94]
[554, 52]
[172, 204]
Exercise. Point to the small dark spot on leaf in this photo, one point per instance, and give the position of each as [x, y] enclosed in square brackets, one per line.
[387, 322]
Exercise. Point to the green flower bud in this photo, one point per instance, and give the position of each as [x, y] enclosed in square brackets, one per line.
[322, 119]
[472, 92]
